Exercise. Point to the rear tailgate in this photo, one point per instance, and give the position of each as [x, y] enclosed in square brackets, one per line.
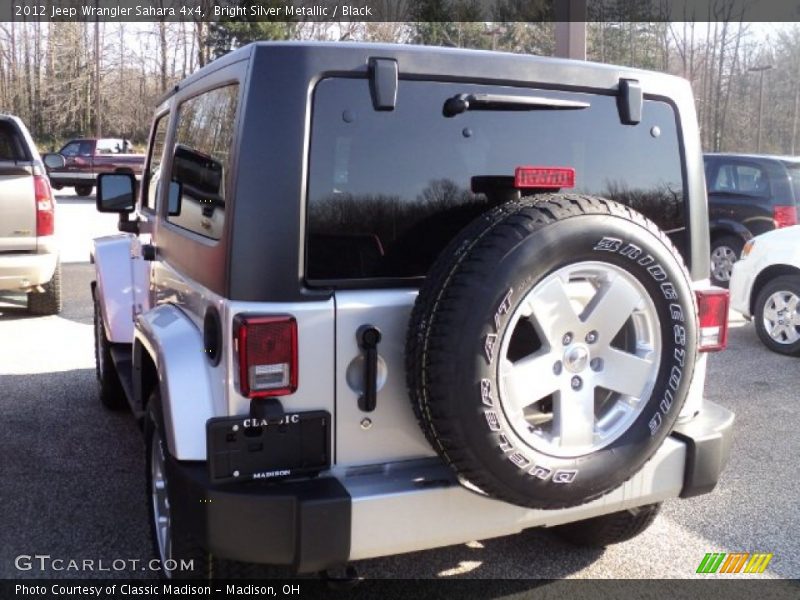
[17, 205]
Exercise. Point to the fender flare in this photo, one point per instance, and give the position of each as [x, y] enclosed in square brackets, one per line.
[720, 227]
[121, 284]
[175, 345]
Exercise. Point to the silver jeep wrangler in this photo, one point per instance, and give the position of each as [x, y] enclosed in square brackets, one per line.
[442, 295]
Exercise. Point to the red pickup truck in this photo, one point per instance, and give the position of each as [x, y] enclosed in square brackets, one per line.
[87, 157]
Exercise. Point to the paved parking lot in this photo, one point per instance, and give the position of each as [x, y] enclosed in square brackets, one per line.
[72, 482]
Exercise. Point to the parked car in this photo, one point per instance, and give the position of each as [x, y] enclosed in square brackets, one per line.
[748, 194]
[85, 158]
[29, 256]
[765, 287]
[392, 298]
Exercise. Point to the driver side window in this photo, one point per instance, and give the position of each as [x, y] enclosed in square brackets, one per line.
[71, 149]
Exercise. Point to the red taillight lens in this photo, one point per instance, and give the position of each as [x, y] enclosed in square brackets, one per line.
[544, 177]
[712, 305]
[784, 216]
[45, 206]
[267, 349]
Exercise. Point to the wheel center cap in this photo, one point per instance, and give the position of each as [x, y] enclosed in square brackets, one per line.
[576, 358]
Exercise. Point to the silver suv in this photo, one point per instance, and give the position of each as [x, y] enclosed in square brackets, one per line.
[377, 299]
[29, 258]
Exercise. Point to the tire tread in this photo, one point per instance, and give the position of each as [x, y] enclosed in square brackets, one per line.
[50, 301]
[469, 255]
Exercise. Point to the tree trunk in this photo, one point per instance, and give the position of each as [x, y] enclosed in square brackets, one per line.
[98, 127]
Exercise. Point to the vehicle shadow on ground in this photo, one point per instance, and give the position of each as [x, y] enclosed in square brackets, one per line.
[73, 476]
[511, 558]
[14, 307]
[78, 307]
[754, 504]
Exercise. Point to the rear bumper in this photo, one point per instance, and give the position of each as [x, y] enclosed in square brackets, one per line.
[708, 440]
[20, 272]
[403, 507]
[304, 524]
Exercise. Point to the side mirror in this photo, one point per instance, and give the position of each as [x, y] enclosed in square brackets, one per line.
[116, 193]
[54, 161]
[174, 199]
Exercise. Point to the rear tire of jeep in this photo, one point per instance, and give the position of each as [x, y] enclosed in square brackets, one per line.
[561, 297]
[606, 530]
[173, 540]
[112, 395]
[83, 190]
[48, 302]
[168, 542]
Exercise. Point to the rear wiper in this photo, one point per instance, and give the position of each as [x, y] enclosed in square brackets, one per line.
[463, 102]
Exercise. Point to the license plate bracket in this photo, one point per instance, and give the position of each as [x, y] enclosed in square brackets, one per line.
[245, 449]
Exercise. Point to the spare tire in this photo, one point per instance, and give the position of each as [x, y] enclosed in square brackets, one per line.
[551, 349]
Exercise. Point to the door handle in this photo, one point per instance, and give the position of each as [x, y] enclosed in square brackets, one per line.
[369, 337]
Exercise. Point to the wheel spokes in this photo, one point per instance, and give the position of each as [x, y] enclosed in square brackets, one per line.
[771, 314]
[552, 311]
[791, 334]
[610, 308]
[573, 392]
[573, 417]
[528, 380]
[625, 373]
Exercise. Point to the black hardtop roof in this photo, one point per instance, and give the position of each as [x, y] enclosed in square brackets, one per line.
[279, 78]
[477, 64]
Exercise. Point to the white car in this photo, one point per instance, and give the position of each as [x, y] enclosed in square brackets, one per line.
[765, 287]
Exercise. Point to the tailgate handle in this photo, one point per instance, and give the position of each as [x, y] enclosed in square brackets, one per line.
[368, 338]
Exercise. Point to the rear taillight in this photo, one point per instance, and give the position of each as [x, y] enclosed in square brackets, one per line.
[45, 206]
[267, 351]
[712, 306]
[784, 216]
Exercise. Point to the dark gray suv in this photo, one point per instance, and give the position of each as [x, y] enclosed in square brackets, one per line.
[748, 194]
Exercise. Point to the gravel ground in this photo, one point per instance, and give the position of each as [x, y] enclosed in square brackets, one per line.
[72, 482]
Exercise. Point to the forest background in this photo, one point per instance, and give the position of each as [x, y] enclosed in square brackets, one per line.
[72, 79]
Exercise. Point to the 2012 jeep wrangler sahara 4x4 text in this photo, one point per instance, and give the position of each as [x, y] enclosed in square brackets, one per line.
[376, 299]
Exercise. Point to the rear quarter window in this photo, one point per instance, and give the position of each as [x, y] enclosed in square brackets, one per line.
[388, 190]
[748, 179]
[201, 161]
[12, 147]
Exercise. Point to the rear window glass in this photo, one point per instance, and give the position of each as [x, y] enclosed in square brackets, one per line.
[738, 178]
[11, 147]
[388, 190]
